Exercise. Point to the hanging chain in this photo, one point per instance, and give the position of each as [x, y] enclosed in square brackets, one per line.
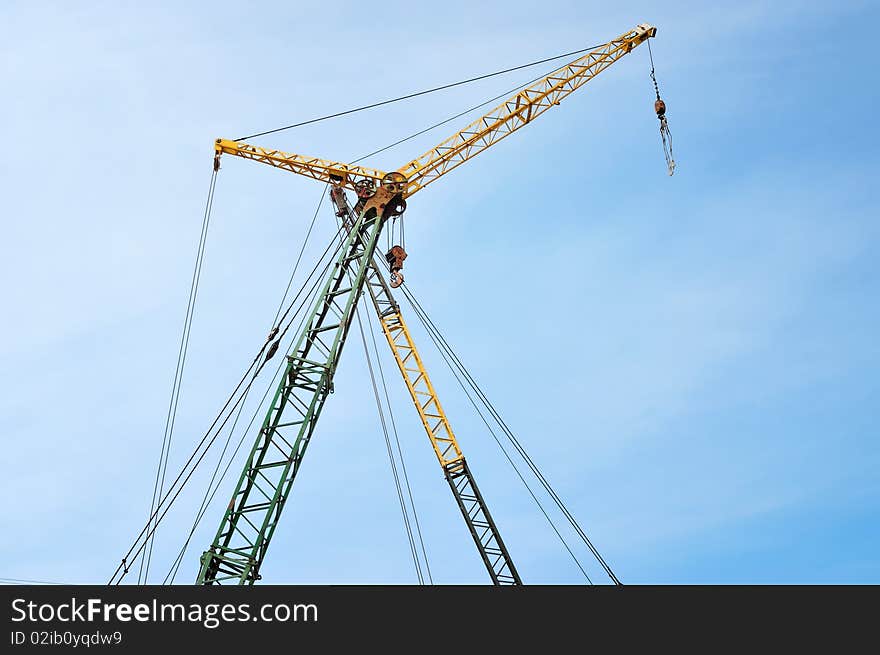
[653, 74]
[660, 108]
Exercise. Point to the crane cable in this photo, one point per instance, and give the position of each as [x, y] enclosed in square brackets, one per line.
[501, 447]
[660, 108]
[457, 368]
[19, 581]
[391, 459]
[198, 455]
[209, 498]
[432, 329]
[417, 93]
[299, 256]
[176, 564]
[506, 94]
[165, 450]
[155, 518]
[391, 455]
[209, 492]
[402, 460]
[390, 233]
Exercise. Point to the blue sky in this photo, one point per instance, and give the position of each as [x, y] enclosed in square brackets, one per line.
[692, 361]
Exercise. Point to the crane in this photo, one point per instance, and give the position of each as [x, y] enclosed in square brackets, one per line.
[239, 548]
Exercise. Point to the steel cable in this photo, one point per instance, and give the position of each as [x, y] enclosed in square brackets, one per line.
[147, 531]
[416, 94]
[403, 506]
[402, 460]
[448, 120]
[209, 494]
[165, 451]
[397, 485]
[155, 518]
[501, 447]
[431, 327]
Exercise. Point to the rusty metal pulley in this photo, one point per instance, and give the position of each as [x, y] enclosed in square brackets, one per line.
[395, 182]
[395, 208]
[365, 188]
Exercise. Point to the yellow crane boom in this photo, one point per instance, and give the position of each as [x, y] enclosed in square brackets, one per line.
[518, 110]
[515, 112]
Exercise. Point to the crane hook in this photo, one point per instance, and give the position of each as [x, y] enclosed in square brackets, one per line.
[665, 134]
[395, 258]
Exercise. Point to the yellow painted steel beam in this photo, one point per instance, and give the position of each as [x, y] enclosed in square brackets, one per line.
[518, 110]
[505, 119]
[421, 391]
[407, 357]
[319, 169]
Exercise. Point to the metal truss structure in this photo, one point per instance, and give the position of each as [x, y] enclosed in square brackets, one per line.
[473, 508]
[239, 548]
[249, 522]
